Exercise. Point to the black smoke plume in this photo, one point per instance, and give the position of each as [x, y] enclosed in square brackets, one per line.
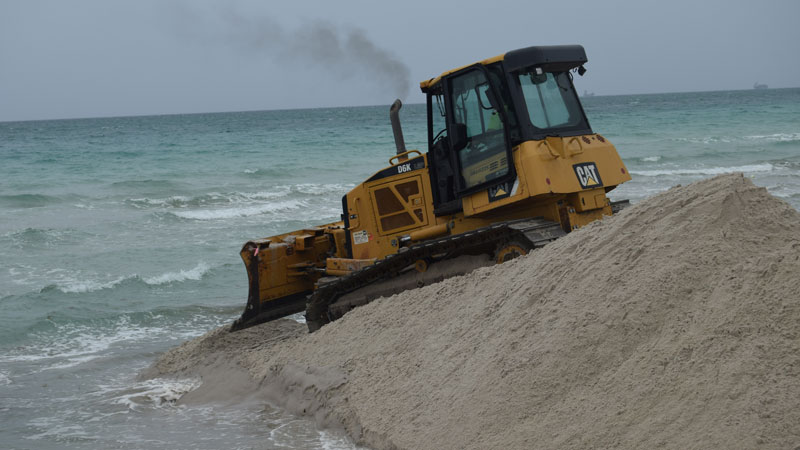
[342, 51]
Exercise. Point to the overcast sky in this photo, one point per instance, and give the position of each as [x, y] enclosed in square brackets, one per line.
[95, 58]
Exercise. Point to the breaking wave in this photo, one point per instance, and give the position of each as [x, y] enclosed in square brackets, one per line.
[236, 198]
[195, 274]
[766, 167]
[157, 392]
[65, 342]
[241, 211]
[777, 137]
[212, 198]
[767, 138]
[69, 285]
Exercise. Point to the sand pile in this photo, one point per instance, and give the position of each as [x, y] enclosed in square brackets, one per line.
[675, 324]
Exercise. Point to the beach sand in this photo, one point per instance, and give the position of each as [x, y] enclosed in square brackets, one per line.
[671, 325]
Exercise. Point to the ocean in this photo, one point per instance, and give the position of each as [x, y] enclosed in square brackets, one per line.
[120, 238]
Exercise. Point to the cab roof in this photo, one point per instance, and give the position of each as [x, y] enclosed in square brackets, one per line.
[552, 58]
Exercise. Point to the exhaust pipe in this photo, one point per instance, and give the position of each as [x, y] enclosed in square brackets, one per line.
[394, 117]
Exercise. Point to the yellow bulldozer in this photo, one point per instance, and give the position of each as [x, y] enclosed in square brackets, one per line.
[511, 165]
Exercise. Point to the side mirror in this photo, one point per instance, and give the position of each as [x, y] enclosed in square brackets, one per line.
[458, 138]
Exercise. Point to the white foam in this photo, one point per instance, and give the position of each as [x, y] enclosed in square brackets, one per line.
[22, 277]
[331, 441]
[706, 140]
[83, 286]
[72, 345]
[280, 191]
[766, 167]
[245, 211]
[70, 282]
[161, 201]
[240, 204]
[651, 158]
[156, 392]
[4, 379]
[777, 137]
[195, 273]
[181, 201]
[318, 189]
[55, 429]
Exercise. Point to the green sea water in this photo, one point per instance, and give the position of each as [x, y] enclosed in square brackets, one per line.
[120, 236]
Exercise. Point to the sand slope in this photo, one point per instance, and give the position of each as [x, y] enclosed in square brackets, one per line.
[675, 324]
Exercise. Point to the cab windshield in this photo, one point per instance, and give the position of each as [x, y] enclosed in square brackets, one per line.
[551, 101]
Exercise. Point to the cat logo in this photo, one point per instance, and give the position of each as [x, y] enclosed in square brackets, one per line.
[588, 176]
[502, 190]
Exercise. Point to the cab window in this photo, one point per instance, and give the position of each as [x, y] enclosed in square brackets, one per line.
[484, 157]
[550, 100]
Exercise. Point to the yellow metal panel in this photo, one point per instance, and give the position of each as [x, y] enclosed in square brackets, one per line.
[549, 173]
[303, 242]
[407, 206]
[546, 168]
[366, 237]
[587, 200]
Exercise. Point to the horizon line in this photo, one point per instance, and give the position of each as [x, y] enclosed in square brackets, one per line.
[342, 106]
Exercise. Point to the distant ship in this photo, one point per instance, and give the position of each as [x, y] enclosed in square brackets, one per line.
[587, 93]
[759, 86]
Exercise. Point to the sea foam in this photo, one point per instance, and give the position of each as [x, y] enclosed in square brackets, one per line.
[242, 211]
[156, 392]
[69, 344]
[195, 274]
[766, 167]
[777, 137]
[72, 284]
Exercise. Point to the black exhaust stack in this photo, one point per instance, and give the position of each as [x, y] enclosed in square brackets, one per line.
[394, 116]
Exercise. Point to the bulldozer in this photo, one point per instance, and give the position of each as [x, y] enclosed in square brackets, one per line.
[512, 164]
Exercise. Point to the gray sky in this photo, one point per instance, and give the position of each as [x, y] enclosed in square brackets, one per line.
[91, 58]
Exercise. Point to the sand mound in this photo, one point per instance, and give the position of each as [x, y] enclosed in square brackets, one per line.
[671, 325]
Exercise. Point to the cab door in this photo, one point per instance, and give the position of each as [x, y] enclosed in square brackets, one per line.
[476, 126]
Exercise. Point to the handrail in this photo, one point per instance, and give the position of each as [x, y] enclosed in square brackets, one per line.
[403, 156]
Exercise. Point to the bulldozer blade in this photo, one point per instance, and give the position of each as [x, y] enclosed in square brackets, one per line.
[256, 312]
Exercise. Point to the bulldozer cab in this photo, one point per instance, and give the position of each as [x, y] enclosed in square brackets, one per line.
[478, 114]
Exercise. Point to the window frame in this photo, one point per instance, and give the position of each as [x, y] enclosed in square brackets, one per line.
[529, 130]
[461, 189]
